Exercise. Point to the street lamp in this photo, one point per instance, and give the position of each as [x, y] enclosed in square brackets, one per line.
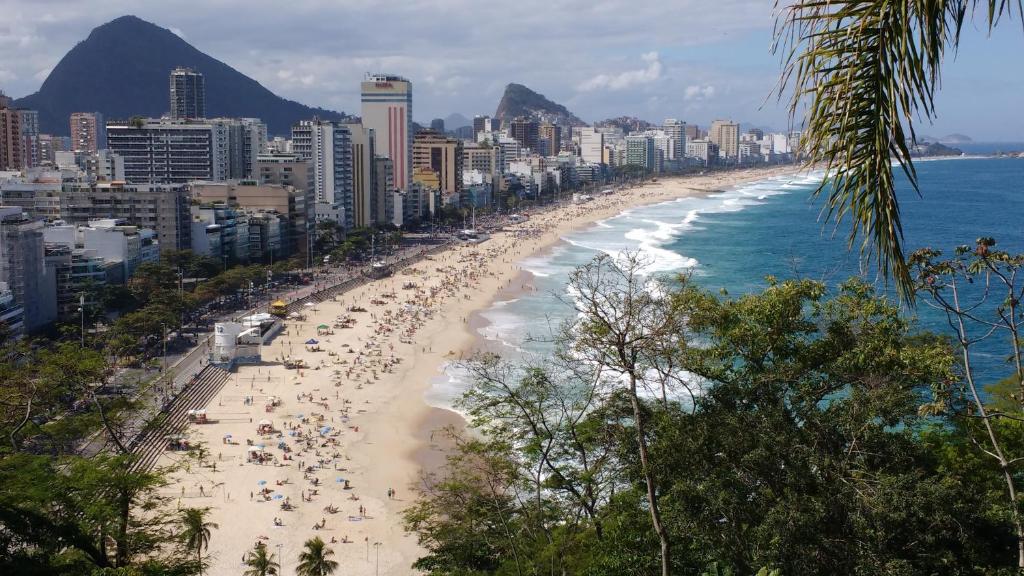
[81, 310]
[376, 546]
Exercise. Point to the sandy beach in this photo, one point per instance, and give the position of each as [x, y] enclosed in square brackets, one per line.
[350, 435]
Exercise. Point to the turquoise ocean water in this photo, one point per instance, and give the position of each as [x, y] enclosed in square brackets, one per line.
[733, 239]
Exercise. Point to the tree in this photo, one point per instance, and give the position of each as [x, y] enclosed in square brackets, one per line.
[197, 532]
[864, 72]
[261, 563]
[978, 317]
[315, 559]
[788, 437]
[624, 330]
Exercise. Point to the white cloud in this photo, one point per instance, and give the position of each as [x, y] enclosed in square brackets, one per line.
[178, 32]
[629, 79]
[705, 92]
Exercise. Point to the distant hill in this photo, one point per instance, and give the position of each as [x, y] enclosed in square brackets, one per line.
[455, 121]
[519, 100]
[122, 70]
[949, 139]
[627, 124]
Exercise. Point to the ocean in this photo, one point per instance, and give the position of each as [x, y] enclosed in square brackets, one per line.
[733, 239]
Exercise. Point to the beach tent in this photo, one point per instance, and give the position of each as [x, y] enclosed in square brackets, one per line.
[322, 327]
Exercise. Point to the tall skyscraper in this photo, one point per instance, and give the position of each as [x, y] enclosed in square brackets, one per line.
[328, 148]
[366, 202]
[387, 110]
[526, 131]
[437, 125]
[188, 94]
[676, 131]
[726, 134]
[88, 132]
[552, 135]
[591, 145]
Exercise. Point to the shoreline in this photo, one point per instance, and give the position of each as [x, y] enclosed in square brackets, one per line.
[431, 454]
[368, 384]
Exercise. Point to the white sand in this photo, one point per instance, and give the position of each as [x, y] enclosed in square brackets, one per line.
[382, 432]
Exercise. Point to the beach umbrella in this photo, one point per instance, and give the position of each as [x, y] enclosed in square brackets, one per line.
[261, 483]
[227, 435]
[325, 429]
[322, 327]
[339, 480]
[299, 415]
[312, 341]
[264, 422]
[291, 432]
[309, 304]
[278, 496]
[261, 445]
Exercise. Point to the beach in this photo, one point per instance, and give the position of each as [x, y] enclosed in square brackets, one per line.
[339, 446]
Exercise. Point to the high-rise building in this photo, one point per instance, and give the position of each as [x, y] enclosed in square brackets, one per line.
[704, 151]
[188, 94]
[30, 137]
[291, 170]
[22, 266]
[676, 131]
[526, 131]
[692, 132]
[591, 145]
[328, 148]
[387, 110]
[88, 132]
[162, 151]
[437, 125]
[551, 134]
[161, 207]
[385, 193]
[368, 206]
[641, 151]
[11, 144]
[442, 155]
[726, 135]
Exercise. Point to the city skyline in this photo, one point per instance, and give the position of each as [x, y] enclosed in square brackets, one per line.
[645, 61]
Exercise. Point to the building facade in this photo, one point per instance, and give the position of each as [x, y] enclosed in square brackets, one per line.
[328, 149]
[387, 110]
[726, 135]
[163, 208]
[22, 266]
[442, 155]
[188, 94]
[88, 132]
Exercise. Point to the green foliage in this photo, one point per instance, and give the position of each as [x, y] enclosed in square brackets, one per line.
[315, 559]
[800, 451]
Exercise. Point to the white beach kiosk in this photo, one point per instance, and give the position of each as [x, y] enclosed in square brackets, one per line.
[242, 342]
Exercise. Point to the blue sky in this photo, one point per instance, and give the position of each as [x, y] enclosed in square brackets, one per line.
[691, 59]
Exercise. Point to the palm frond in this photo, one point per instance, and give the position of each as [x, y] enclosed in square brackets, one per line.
[862, 72]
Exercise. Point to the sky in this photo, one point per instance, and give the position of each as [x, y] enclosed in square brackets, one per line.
[695, 60]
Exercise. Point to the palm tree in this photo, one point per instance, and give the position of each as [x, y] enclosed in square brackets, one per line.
[260, 563]
[315, 559]
[196, 532]
[861, 71]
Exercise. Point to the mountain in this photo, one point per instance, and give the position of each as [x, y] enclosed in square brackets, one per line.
[519, 100]
[122, 70]
[950, 139]
[455, 121]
